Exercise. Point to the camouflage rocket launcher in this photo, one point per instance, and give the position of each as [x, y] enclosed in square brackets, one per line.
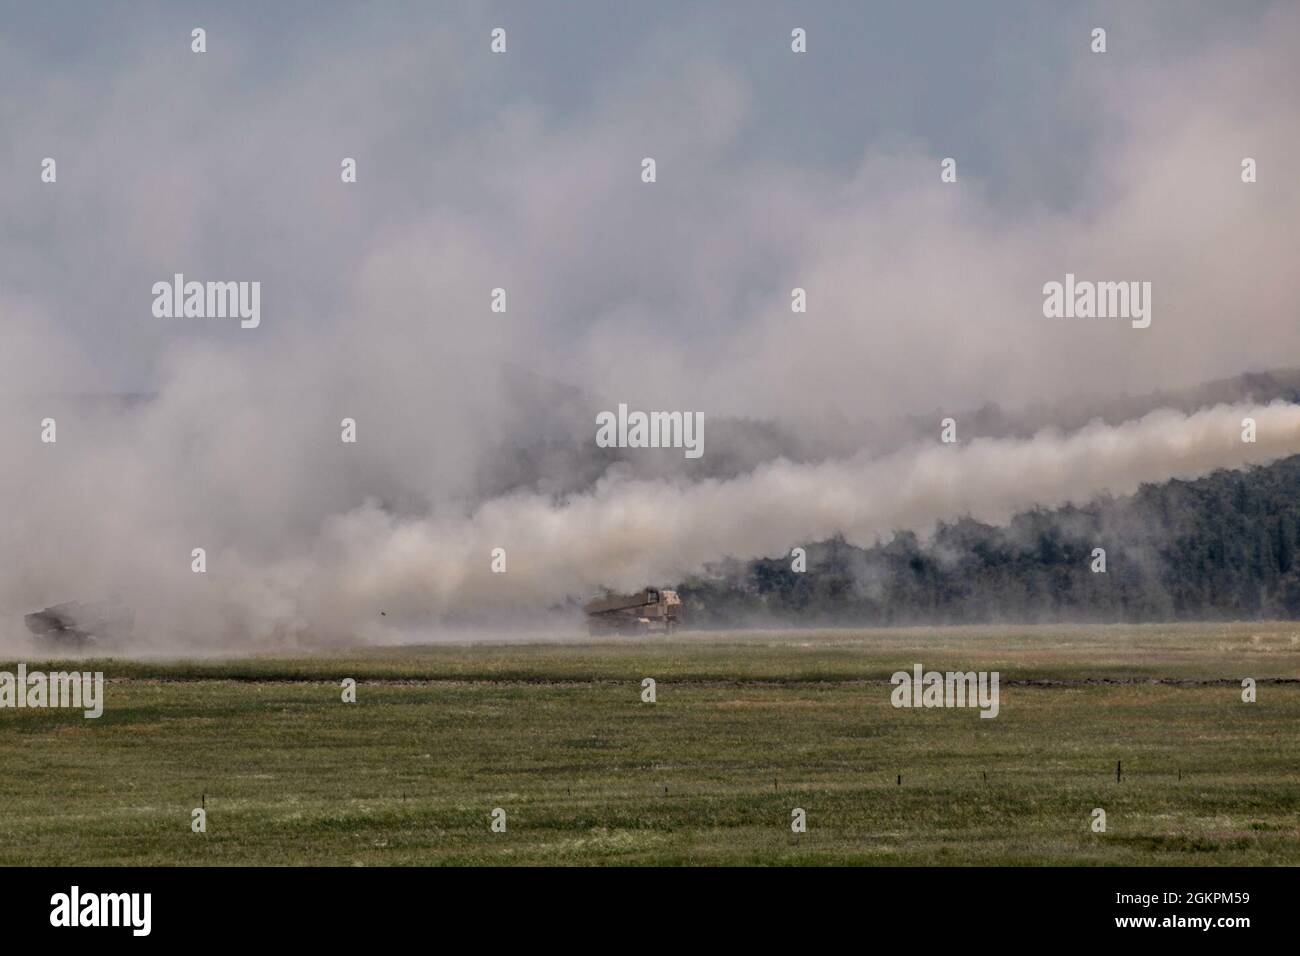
[648, 611]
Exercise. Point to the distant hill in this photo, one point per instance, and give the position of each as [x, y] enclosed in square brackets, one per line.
[1258, 387]
[560, 456]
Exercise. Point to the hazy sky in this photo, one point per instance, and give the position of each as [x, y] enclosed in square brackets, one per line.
[521, 170]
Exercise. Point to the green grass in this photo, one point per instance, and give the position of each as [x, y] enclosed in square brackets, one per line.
[746, 727]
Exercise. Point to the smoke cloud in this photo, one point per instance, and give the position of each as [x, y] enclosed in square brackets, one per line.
[476, 429]
[625, 533]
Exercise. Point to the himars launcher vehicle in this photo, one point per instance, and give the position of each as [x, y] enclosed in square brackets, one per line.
[651, 610]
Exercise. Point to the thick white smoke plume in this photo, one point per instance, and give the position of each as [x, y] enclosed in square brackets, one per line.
[622, 533]
[625, 534]
[475, 428]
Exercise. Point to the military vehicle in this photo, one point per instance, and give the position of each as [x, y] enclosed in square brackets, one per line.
[651, 610]
[77, 627]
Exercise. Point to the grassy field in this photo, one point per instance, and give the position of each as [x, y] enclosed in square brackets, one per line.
[747, 726]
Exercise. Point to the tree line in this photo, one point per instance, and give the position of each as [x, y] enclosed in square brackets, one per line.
[1218, 548]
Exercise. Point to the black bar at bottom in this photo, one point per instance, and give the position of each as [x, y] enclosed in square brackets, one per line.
[653, 906]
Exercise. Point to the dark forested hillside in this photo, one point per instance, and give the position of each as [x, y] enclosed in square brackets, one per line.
[1221, 547]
